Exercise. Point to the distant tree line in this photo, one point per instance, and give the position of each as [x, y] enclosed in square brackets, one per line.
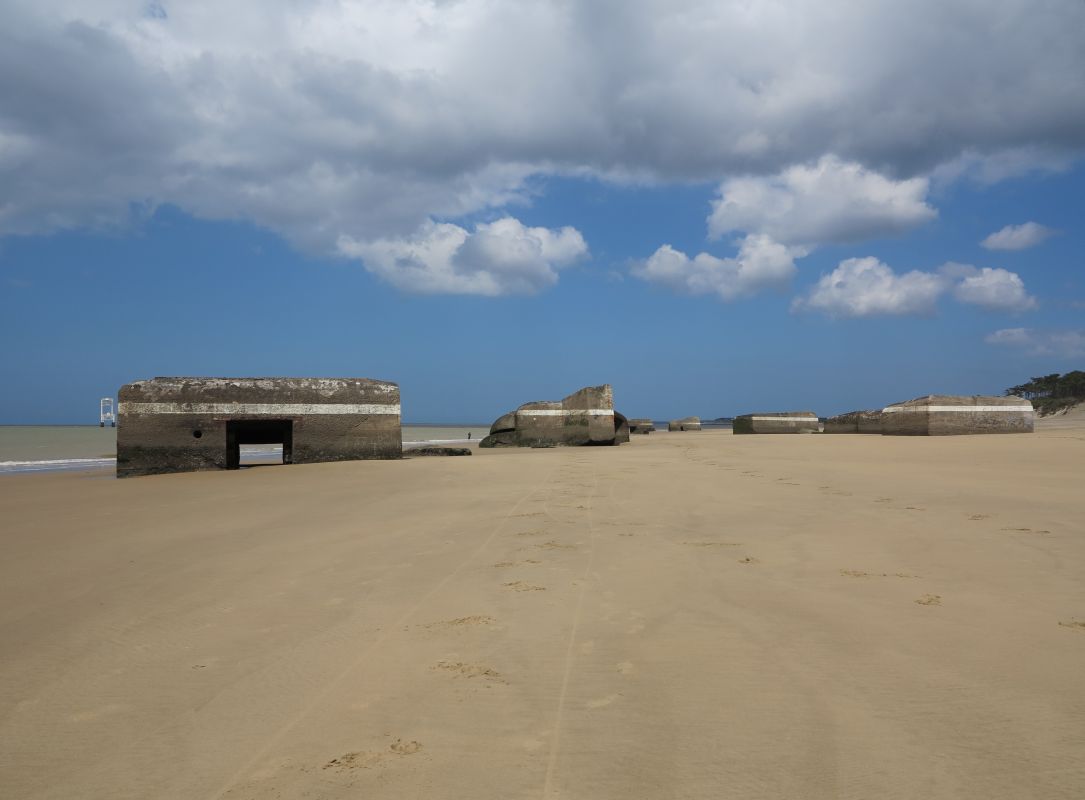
[1051, 392]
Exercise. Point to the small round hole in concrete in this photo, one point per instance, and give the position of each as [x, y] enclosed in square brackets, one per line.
[197, 434]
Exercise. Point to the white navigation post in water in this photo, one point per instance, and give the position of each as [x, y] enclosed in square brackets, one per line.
[107, 413]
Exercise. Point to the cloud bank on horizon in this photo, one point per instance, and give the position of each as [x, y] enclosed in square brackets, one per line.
[406, 134]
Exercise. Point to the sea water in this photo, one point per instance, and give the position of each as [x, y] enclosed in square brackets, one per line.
[38, 448]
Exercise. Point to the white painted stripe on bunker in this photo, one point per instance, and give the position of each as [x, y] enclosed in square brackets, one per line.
[985, 409]
[280, 409]
[550, 412]
[783, 419]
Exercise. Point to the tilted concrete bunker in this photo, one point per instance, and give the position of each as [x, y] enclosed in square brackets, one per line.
[586, 417]
[188, 424]
[685, 424]
[641, 425]
[855, 422]
[776, 422]
[950, 415]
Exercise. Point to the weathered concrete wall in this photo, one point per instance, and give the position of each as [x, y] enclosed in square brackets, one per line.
[855, 422]
[188, 424]
[951, 415]
[621, 428]
[641, 425]
[685, 424]
[777, 422]
[585, 417]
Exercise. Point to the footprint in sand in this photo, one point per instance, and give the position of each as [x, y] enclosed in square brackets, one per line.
[713, 544]
[460, 622]
[884, 500]
[856, 573]
[930, 600]
[624, 667]
[357, 760]
[976, 517]
[552, 545]
[1075, 624]
[602, 702]
[525, 562]
[520, 586]
[363, 759]
[462, 670]
[1026, 530]
[749, 560]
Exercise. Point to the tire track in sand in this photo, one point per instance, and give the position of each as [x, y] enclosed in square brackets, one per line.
[570, 651]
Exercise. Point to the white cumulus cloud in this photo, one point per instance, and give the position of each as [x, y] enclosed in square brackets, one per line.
[829, 201]
[760, 264]
[1018, 237]
[496, 258]
[1067, 343]
[994, 290]
[865, 287]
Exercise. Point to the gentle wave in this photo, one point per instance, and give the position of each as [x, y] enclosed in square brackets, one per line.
[56, 464]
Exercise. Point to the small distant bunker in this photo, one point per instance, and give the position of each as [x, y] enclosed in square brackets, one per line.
[855, 422]
[685, 424]
[189, 424]
[586, 417]
[950, 415]
[777, 422]
[644, 426]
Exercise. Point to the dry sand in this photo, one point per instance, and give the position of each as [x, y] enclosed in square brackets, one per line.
[689, 616]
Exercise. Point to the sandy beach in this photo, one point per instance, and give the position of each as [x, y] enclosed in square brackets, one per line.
[688, 616]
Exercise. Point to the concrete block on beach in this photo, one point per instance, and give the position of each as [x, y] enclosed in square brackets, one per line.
[855, 422]
[191, 424]
[641, 425]
[621, 428]
[586, 417]
[685, 424]
[950, 415]
[777, 422]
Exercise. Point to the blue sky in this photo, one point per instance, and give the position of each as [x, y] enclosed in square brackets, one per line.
[490, 209]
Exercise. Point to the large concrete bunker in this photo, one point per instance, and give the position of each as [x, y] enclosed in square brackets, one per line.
[776, 422]
[685, 424]
[189, 424]
[949, 415]
[641, 425]
[586, 417]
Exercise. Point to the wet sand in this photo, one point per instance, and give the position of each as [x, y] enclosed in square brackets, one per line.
[693, 615]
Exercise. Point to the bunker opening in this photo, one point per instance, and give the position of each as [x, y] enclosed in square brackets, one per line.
[257, 438]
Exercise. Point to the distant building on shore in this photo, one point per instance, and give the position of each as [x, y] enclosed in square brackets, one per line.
[586, 417]
[685, 424]
[949, 415]
[189, 424]
[777, 422]
[855, 422]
